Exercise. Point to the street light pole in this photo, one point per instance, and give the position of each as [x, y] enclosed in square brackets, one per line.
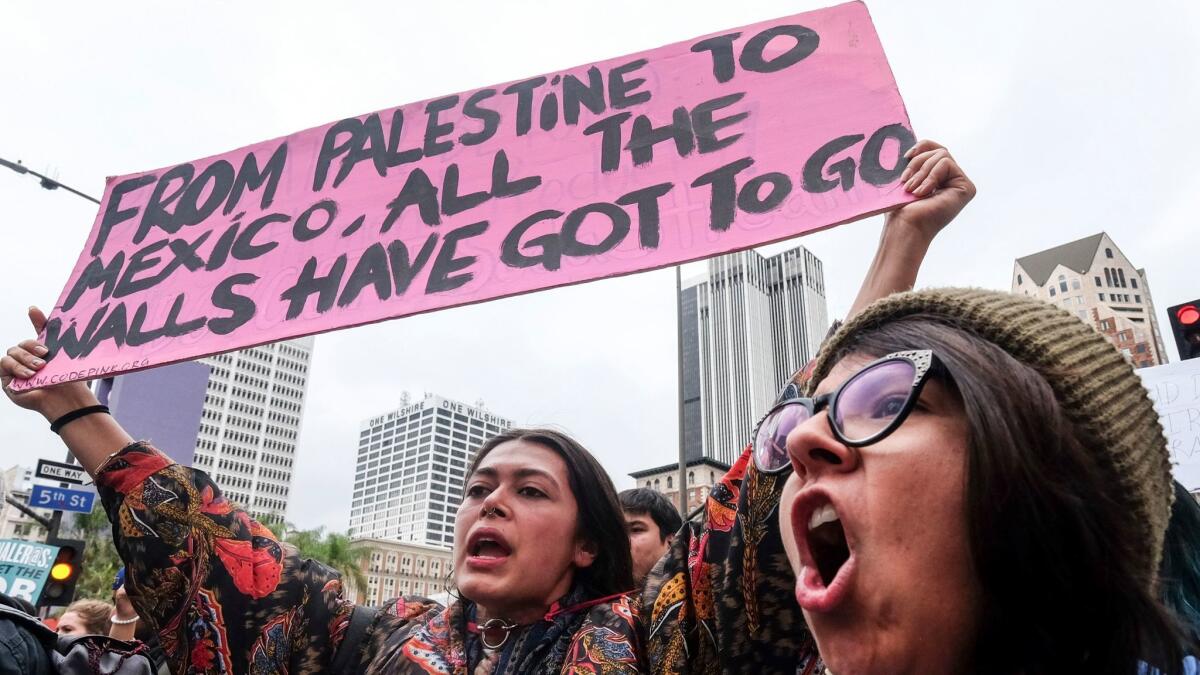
[46, 181]
[683, 496]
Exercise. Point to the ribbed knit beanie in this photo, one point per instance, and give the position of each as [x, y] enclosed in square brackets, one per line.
[1096, 387]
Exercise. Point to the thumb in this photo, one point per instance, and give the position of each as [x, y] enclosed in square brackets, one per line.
[38, 319]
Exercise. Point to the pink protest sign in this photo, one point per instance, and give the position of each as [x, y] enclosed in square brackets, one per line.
[679, 153]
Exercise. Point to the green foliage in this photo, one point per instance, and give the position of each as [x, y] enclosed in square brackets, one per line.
[331, 548]
[100, 559]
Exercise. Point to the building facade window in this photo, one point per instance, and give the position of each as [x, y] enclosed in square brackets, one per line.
[1108, 253]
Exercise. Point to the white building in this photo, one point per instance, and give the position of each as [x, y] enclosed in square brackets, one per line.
[1093, 279]
[411, 466]
[251, 419]
[702, 474]
[17, 482]
[748, 324]
[395, 569]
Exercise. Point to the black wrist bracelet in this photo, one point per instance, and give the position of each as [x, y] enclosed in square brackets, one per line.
[57, 425]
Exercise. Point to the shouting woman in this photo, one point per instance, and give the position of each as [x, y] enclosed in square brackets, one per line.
[542, 563]
[979, 484]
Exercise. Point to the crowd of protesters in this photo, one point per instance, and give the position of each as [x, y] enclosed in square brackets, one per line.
[963, 481]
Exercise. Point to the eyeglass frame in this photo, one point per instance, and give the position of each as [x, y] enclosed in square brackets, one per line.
[924, 362]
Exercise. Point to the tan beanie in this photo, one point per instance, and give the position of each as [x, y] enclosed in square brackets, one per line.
[1096, 386]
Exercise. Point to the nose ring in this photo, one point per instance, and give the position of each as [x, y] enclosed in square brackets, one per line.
[490, 511]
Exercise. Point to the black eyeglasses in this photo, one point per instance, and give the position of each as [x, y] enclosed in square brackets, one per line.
[863, 410]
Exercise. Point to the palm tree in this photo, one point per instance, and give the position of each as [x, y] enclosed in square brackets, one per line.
[346, 558]
[330, 548]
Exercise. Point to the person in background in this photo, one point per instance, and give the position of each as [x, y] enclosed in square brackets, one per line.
[86, 617]
[1179, 573]
[652, 522]
[125, 618]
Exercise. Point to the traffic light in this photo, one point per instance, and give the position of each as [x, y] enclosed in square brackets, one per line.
[1185, 323]
[59, 589]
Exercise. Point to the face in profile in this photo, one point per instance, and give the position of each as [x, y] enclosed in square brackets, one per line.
[71, 623]
[877, 535]
[645, 543]
[516, 539]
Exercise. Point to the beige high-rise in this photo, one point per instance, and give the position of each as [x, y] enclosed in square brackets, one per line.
[1092, 279]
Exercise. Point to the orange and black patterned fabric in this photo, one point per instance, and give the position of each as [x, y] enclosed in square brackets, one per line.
[723, 598]
[227, 597]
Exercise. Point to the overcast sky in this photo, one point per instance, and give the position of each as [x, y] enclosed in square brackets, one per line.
[1071, 117]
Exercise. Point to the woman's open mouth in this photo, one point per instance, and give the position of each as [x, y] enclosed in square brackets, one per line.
[826, 554]
[487, 548]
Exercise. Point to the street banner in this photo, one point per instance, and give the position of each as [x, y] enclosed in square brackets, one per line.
[62, 499]
[1175, 390]
[721, 143]
[24, 568]
[68, 473]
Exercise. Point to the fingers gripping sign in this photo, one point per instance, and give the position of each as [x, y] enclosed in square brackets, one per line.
[933, 174]
[24, 361]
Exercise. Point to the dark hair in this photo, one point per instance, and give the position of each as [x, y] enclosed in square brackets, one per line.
[600, 519]
[1049, 544]
[1179, 573]
[644, 501]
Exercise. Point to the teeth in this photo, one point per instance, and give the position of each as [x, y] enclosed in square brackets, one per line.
[823, 515]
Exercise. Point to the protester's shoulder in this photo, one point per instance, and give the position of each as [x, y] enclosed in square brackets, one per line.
[609, 640]
[398, 617]
[21, 650]
[622, 609]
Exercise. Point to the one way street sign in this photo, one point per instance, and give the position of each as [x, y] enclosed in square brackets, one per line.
[69, 473]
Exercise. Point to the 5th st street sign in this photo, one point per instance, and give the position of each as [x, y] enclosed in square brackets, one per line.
[68, 473]
[61, 499]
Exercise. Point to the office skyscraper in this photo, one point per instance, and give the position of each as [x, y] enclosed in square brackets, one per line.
[748, 324]
[412, 463]
[251, 419]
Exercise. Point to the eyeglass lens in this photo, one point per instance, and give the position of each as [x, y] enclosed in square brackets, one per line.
[873, 399]
[867, 404]
[770, 445]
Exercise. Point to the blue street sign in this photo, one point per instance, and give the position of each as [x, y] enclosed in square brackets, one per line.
[61, 499]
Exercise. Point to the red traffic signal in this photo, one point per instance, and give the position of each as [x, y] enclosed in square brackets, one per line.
[1185, 324]
[1188, 315]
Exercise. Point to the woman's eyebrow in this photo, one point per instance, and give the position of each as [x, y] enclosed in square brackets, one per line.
[524, 472]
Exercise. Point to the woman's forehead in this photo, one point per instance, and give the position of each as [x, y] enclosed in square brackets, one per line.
[522, 457]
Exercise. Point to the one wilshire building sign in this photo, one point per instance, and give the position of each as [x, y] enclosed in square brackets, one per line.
[412, 463]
